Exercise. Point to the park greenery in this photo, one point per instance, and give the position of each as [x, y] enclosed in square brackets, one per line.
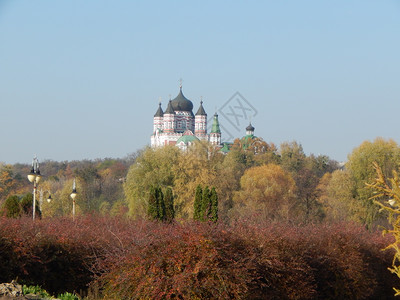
[272, 220]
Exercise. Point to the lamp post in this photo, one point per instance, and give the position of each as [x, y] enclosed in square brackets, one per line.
[41, 199]
[34, 176]
[73, 195]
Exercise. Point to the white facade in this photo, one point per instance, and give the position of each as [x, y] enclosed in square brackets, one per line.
[178, 121]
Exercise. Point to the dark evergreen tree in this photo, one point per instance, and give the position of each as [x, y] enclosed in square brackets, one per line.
[169, 205]
[214, 205]
[160, 204]
[198, 200]
[205, 204]
[152, 211]
[11, 207]
[26, 205]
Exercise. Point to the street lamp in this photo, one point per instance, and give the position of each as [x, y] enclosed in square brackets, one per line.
[41, 199]
[73, 195]
[34, 176]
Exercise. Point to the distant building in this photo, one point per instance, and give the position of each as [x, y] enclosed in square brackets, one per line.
[177, 125]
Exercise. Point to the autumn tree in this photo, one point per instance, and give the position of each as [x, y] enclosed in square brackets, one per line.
[267, 191]
[386, 194]
[200, 164]
[153, 167]
[256, 151]
[9, 183]
[61, 205]
[306, 172]
[293, 158]
[337, 198]
[386, 153]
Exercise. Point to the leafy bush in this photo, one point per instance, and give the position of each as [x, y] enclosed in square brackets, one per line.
[68, 296]
[55, 253]
[273, 261]
[36, 290]
[125, 259]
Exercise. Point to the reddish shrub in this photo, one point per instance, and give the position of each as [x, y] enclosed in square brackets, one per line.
[141, 259]
[180, 261]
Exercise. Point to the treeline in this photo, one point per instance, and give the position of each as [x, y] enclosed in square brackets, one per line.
[258, 180]
[254, 180]
[99, 185]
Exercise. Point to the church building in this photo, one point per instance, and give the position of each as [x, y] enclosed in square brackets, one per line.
[177, 125]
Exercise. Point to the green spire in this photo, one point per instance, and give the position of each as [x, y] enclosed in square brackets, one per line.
[215, 125]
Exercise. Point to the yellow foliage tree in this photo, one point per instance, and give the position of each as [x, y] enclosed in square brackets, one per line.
[360, 166]
[8, 185]
[266, 190]
[199, 165]
[387, 196]
[154, 167]
[336, 197]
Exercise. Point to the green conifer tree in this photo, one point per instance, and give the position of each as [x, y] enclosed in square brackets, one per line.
[197, 215]
[160, 204]
[169, 206]
[214, 205]
[11, 207]
[152, 211]
[26, 203]
[205, 204]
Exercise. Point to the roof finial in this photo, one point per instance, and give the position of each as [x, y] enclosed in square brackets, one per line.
[169, 96]
[201, 99]
[180, 83]
[159, 100]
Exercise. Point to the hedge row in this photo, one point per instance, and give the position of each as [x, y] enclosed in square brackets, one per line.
[141, 259]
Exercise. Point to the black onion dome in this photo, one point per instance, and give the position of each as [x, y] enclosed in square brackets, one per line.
[181, 103]
[250, 128]
[159, 112]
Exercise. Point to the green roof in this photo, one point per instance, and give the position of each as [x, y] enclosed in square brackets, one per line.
[226, 148]
[187, 138]
[246, 141]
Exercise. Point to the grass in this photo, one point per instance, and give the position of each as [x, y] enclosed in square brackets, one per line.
[38, 290]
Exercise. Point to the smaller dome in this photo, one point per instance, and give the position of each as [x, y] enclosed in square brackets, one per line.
[159, 112]
[169, 109]
[250, 128]
[201, 111]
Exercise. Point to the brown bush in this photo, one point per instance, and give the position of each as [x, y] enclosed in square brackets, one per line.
[141, 259]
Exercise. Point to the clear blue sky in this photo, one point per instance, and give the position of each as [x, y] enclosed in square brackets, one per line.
[82, 79]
